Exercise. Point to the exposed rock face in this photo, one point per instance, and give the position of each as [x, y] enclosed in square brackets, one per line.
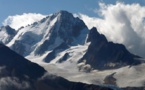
[110, 80]
[48, 34]
[53, 54]
[62, 28]
[102, 54]
[66, 29]
[6, 34]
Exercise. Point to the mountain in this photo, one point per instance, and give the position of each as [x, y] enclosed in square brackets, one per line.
[17, 73]
[49, 33]
[102, 54]
[6, 34]
[62, 37]
[63, 44]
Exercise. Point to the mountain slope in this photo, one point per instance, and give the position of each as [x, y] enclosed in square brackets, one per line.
[62, 37]
[102, 54]
[49, 33]
[17, 73]
[65, 44]
[17, 65]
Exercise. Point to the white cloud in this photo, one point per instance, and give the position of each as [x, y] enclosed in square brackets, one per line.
[18, 21]
[121, 23]
[8, 82]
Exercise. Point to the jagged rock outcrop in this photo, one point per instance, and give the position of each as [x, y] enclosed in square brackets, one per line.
[6, 34]
[102, 54]
[110, 79]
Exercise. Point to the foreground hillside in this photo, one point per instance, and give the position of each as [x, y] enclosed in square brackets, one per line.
[17, 73]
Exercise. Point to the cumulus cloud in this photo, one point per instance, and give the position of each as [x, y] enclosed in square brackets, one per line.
[18, 21]
[121, 23]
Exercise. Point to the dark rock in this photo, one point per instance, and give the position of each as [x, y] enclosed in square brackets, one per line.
[10, 32]
[67, 28]
[64, 58]
[110, 79]
[18, 47]
[134, 88]
[54, 53]
[102, 54]
[17, 65]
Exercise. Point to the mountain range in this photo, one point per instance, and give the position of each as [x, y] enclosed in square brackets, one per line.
[60, 38]
[58, 33]
[17, 73]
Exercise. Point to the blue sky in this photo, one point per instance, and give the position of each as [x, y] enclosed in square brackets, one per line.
[13, 7]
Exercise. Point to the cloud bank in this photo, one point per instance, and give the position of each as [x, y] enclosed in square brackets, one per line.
[18, 21]
[121, 23]
[8, 82]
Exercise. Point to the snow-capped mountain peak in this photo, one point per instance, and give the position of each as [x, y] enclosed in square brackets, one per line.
[63, 37]
[49, 33]
[62, 42]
